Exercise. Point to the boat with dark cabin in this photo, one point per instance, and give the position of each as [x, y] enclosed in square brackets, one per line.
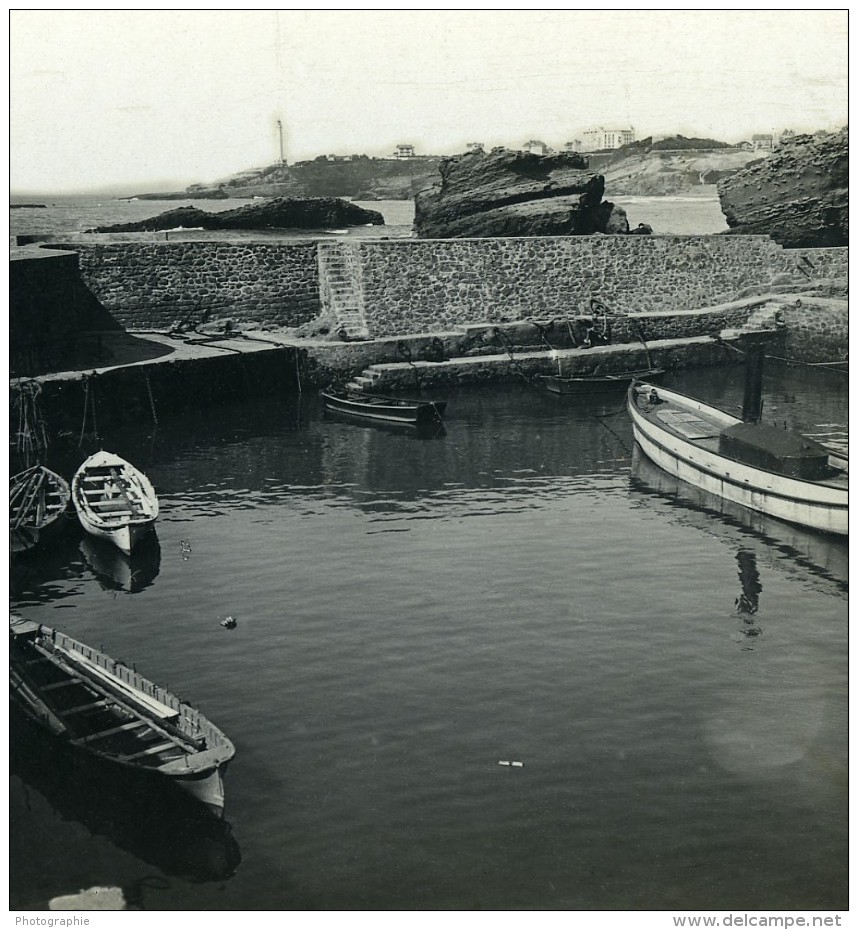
[103, 707]
[114, 500]
[383, 408]
[774, 471]
[38, 499]
[597, 383]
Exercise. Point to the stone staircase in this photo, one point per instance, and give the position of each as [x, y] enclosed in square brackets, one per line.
[340, 287]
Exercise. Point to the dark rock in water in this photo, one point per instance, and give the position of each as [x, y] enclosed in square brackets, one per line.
[509, 193]
[799, 195]
[278, 213]
[28, 206]
[211, 193]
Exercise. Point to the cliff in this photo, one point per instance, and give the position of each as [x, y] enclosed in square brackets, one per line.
[279, 213]
[671, 166]
[799, 195]
[509, 193]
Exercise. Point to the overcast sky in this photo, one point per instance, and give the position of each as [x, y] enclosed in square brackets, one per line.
[154, 98]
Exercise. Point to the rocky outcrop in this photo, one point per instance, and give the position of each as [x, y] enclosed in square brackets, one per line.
[279, 213]
[799, 195]
[509, 193]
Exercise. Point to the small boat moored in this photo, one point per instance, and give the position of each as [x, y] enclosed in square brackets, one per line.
[380, 407]
[770, 470]
[106, 709]
[597, 384]
[114, 500]
[38, 499]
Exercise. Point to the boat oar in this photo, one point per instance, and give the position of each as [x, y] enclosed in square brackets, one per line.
[122, 487]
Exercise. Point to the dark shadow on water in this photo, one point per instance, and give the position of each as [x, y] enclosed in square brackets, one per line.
[154, 821]
[823, 557]
[116, 571]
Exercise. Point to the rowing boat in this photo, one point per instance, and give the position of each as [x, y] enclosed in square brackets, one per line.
[597, 384]
[774, 471]
[38, 498]
[380, 407]
[114, 500]
[104, 708]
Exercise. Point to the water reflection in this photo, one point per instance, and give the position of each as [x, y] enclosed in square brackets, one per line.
[824, 558]
[157, 823]
[748, 601]
[116, 571]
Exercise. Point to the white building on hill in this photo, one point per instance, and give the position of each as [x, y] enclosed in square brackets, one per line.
[601, 138]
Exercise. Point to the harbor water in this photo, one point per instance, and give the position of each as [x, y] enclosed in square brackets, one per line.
[414, 611]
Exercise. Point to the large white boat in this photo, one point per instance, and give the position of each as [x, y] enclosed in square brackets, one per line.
[114, 500]
[774, 471]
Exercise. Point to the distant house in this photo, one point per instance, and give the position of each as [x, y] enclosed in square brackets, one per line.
[404, 151]
[745, 146]
[601, 138]
[476, 147]
[576, 145]
[535, 147]
[762, 142]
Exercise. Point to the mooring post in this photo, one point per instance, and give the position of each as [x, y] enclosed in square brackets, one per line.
[752, 403]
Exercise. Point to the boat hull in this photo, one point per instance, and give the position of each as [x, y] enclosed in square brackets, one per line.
[415, 413]
[817, 506]
[596, 384]
[104, 708]
[114, 501]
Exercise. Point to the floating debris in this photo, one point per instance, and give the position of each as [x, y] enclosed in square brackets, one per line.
[229, 622]
[90, 899]
[186, 550]
[515, 765]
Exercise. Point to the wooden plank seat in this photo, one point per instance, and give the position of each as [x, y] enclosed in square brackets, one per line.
[65, 683]
[81, 708]
[150, 751]
[103, 734]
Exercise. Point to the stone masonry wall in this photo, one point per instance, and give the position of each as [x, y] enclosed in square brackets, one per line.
[436, 285]
[156, 285]
[817, 329]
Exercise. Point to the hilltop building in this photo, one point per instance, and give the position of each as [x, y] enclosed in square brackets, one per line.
[601, 138]
[576, 145]
[762, 141]
[535, 147]
[404, 151]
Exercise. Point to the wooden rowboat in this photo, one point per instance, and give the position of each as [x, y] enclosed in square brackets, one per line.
[106, 709]
[114, 500]
[773, 471]
[38, 499]
[597, 384]
[379, 407]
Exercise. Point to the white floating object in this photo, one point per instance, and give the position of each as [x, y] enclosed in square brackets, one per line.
[90, 899]
[503, 763]
[515, 765]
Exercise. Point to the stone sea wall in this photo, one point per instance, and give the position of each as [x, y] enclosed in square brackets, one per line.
[443, 285]
[436, 285]
[817, 330]
[156, 285]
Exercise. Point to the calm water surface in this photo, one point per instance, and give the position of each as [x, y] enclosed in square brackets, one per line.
[412, 611]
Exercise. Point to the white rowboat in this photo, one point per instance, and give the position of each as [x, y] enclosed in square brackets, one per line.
[114, 500]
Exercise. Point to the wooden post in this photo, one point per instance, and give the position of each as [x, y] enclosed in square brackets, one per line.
[752, 403]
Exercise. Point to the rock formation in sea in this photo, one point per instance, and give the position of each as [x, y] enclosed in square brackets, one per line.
[510, 193]
[799, 195]
[278, 213]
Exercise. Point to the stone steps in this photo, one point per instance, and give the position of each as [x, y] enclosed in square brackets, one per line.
[339, 289]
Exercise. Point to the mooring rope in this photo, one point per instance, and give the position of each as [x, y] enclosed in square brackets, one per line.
[88, 405]
[298, 368]
[151, 398]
